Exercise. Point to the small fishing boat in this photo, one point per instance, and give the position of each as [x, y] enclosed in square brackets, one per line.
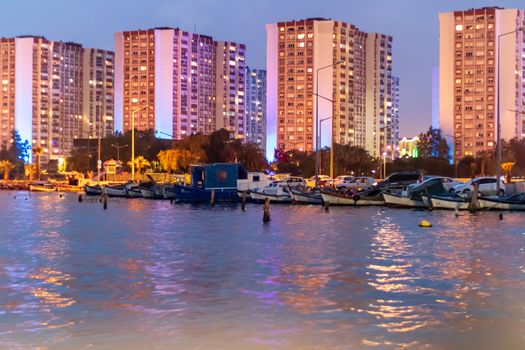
[116, 190]
[447, 202]
[412, 196]
[515, 202]
[307, 196]
[42, 188]
[95, 190]
[276, 192]
[168, 192]
[68, 188]
[150, 190]
[373, 197]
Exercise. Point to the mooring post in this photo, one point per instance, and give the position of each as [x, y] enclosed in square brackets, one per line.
[105, 201]
[266, 211]
[326, 205]
[243, 200]
[212, 197]
[80, 197]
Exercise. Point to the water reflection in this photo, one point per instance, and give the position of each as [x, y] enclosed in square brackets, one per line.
[146, 274]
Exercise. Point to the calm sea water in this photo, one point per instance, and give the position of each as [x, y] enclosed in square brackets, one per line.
[151, 275]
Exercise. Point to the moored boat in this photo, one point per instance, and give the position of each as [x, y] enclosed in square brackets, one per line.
[399, 201]
[95, 190]
[373, 197]
[307, 196]
[448, 202]
[68, 188]
[515, 202]
[276, 192]
[412, 196]
[117, 190]
[42, 188]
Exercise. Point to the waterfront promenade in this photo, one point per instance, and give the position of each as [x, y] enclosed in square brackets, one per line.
[150, 274]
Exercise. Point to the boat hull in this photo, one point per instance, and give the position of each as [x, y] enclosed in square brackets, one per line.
[356, 201]
[198, 195]
[37, 188]
[500, 204]
[307, 198]
[449, 203]
[150, 193]
[116, 192]
[395, 201]
[259, 197]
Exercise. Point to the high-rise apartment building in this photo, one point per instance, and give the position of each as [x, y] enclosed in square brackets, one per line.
[395, 112]
[469, 79]
[98, 89]
[178, 83]
[256, 107]
[354, 94]
[43, 94]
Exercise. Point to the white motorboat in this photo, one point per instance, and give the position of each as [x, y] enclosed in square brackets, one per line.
[448, 202]
[118, 190]
[278, 192]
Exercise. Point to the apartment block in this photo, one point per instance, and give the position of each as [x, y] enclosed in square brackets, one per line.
[354, 104]
[469, 78]
[43, 94]
[395, 112]
[178, 83]
[256, 107]
[98, 91]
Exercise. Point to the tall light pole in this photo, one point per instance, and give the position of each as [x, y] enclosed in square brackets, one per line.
[498, 137]
[133, 138]
[320, 126]
[317, 127]
[118, 147]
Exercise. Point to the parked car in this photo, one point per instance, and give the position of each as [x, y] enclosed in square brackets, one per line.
[399, 180]
[343, 179]
[295, 181]
[360, 183]
[447, 182]
[323, 181]
[487, 187]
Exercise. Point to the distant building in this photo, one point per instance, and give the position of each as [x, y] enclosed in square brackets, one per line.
[256, 107]
[180, 83]
[468, 78]
[435, 97]
[359, 86]
[44, 96]
[408, 147]
[395, 111]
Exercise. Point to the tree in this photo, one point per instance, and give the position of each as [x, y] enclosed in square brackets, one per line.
[38, 151]
[168, 159]
[352, 159]
[216, 150]
[431, 144]
[5, 167]
[20, 149]
[140, 163]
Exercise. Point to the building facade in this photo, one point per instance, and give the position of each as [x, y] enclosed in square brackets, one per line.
[256, 107]
[395, 111]
[178, 83]
[44, 96]
[354, 104]
[469, 79]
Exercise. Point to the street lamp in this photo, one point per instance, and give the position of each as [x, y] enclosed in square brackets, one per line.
[118, 147]
[384, 165]
[320, 126]
[498, 137]
[317, 132]
[133, 137]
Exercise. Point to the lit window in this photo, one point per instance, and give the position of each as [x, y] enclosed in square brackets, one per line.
[459, 27]
[300, 36]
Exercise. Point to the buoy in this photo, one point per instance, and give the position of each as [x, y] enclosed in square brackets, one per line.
[425, 223]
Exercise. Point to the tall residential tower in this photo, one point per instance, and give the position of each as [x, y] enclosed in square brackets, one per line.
[469, 79]
[256, 107]
[44, 97]
[355, 102]
[178, 83]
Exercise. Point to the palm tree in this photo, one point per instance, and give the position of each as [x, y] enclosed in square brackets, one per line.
[38, 151]
[5, 167]
[140, 163]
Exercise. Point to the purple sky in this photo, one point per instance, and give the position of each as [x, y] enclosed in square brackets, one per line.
[412, 23]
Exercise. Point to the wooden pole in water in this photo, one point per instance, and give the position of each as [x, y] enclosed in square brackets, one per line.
[474, 200]
[105, 201]
[243, 200]
[80, 197]
[326, 205]
[266, 211]
[212, 198]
